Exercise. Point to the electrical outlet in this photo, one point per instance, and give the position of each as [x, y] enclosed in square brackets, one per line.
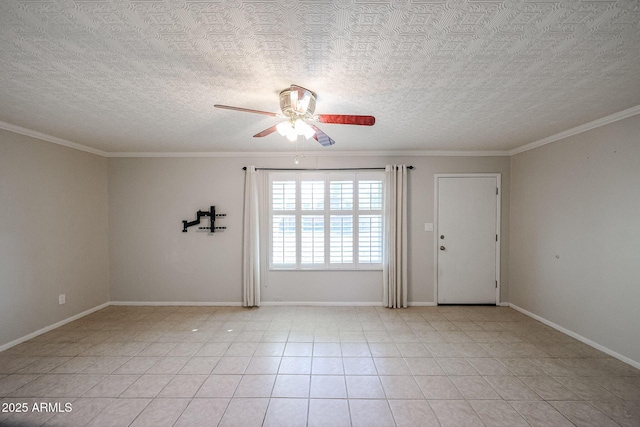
[61, 299]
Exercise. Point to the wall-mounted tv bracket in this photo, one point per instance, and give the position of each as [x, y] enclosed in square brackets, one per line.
[212, 220]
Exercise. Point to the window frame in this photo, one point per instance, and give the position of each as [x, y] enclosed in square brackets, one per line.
[327, 177]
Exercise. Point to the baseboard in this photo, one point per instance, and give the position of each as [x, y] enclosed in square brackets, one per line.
[176, 303]
[577, 336]
[344, 304]
[435, 304]
[51, 327]
[323, 303]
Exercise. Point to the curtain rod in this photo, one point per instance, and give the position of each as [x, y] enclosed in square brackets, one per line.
[319, 170]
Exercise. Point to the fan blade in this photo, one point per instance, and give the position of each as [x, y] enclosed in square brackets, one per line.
[343, 119]
[248, 110]
[322, 137]
[265, 132]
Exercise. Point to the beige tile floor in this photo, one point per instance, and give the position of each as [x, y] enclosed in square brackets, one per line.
[314, 366]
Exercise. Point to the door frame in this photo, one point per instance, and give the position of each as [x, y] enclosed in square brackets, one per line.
[436, 177]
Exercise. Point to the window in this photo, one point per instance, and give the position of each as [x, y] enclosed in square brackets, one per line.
[325, 220]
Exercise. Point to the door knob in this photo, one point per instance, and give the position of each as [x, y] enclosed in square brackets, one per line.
[442, 248]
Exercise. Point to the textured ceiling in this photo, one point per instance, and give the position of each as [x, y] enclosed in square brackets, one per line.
[143, 76]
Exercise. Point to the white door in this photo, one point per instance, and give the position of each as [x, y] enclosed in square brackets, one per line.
[467, 239]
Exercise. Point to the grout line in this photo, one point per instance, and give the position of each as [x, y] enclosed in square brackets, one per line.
[577, 336]
[52, 327]
[372, 341]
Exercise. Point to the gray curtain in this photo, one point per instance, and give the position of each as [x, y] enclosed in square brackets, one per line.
[394, 261]
[251, 246]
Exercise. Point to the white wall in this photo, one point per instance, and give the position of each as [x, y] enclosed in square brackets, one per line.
[152, 260]
[53, 234]
[575, 234]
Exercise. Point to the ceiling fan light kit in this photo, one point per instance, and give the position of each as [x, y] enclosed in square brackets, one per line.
[292, 130]
[298, 105]
[298, 101]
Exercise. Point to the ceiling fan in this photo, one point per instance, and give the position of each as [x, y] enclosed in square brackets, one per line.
[298, 105]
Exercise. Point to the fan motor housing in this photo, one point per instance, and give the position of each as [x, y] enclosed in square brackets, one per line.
[289, 110]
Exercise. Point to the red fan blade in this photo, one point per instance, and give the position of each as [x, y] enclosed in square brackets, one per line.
[322, 137]
[265, 132]
[247, 110]
[342, 119]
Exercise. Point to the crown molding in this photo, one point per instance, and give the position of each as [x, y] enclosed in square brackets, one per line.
[629, 112]
[66, 143]
[45, 137]
[311, 154]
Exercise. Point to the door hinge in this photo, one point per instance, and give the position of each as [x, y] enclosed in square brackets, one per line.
[496, 284]
[496, 191]
[496, 237]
